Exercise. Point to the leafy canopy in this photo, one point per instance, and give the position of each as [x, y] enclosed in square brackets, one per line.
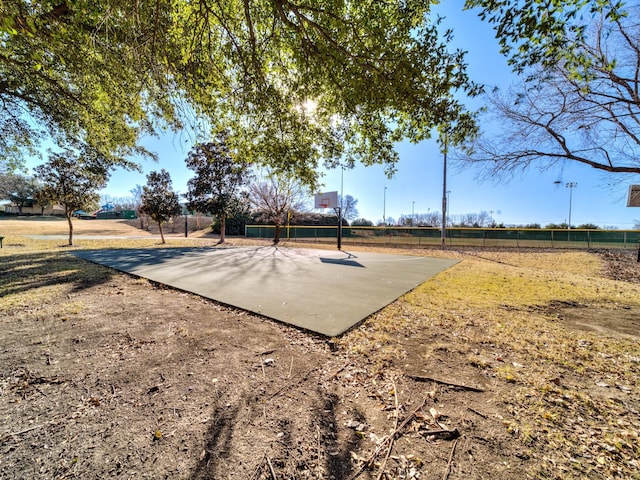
[217, 186]
[23, 189]
[68, 77]
[543, 33]
[296, 83]
[16, 186]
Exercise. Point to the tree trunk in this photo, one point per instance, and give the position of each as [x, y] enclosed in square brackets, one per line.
[161, 233]
[223, 227]
[276, 239]
[70, 222]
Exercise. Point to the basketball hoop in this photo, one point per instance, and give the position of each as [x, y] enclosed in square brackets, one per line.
[326, 200]
[633, 199]
[330, 200]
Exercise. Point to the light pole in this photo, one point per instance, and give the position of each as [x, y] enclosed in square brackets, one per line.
[413, 207]
[449, 204]
[186, 218]
[570, 186]
[341, 205]
[384, 207]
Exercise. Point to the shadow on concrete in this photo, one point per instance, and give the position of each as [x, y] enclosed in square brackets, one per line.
[20, 273]
[340, 261]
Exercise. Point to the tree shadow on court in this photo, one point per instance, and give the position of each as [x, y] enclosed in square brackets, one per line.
[22, 273]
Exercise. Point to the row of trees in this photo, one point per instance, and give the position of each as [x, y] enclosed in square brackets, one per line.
[226, 190]
[225, 187]
[222, 186]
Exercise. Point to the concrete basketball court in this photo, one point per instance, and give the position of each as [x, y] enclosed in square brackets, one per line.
[324, 291]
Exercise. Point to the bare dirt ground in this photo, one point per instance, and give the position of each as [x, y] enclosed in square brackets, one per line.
[516, 364]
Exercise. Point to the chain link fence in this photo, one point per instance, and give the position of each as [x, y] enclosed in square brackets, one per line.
[456, 237]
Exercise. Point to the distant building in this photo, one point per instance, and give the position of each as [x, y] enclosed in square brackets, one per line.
[33, 208]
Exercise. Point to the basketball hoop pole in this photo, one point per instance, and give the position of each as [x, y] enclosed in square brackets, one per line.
[339, 214]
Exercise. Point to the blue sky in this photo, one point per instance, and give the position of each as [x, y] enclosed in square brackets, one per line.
[533, 197]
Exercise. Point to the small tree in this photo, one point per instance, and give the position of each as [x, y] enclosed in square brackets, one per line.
[41, 199]
[216, 187]
[19, 189]
[159, 201]
[362, 222]
[349, 207]
[275, 197]
[72, 181]
[137, 192]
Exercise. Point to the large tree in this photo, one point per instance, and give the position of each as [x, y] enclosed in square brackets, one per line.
[582, 107]
[72, 181]
[159, 200]
[348, 207]
[217, 185]
[276, 198]
[296, 82]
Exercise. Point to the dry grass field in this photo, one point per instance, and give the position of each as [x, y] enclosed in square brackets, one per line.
[511, 364]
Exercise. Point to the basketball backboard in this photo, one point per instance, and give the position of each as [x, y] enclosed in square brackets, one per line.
[326, 200]
[633, 200]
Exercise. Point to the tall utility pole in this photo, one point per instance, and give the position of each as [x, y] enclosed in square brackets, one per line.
[384, 207]
[443, 233]
[570, 186]
[341, 208]
[413, 208]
